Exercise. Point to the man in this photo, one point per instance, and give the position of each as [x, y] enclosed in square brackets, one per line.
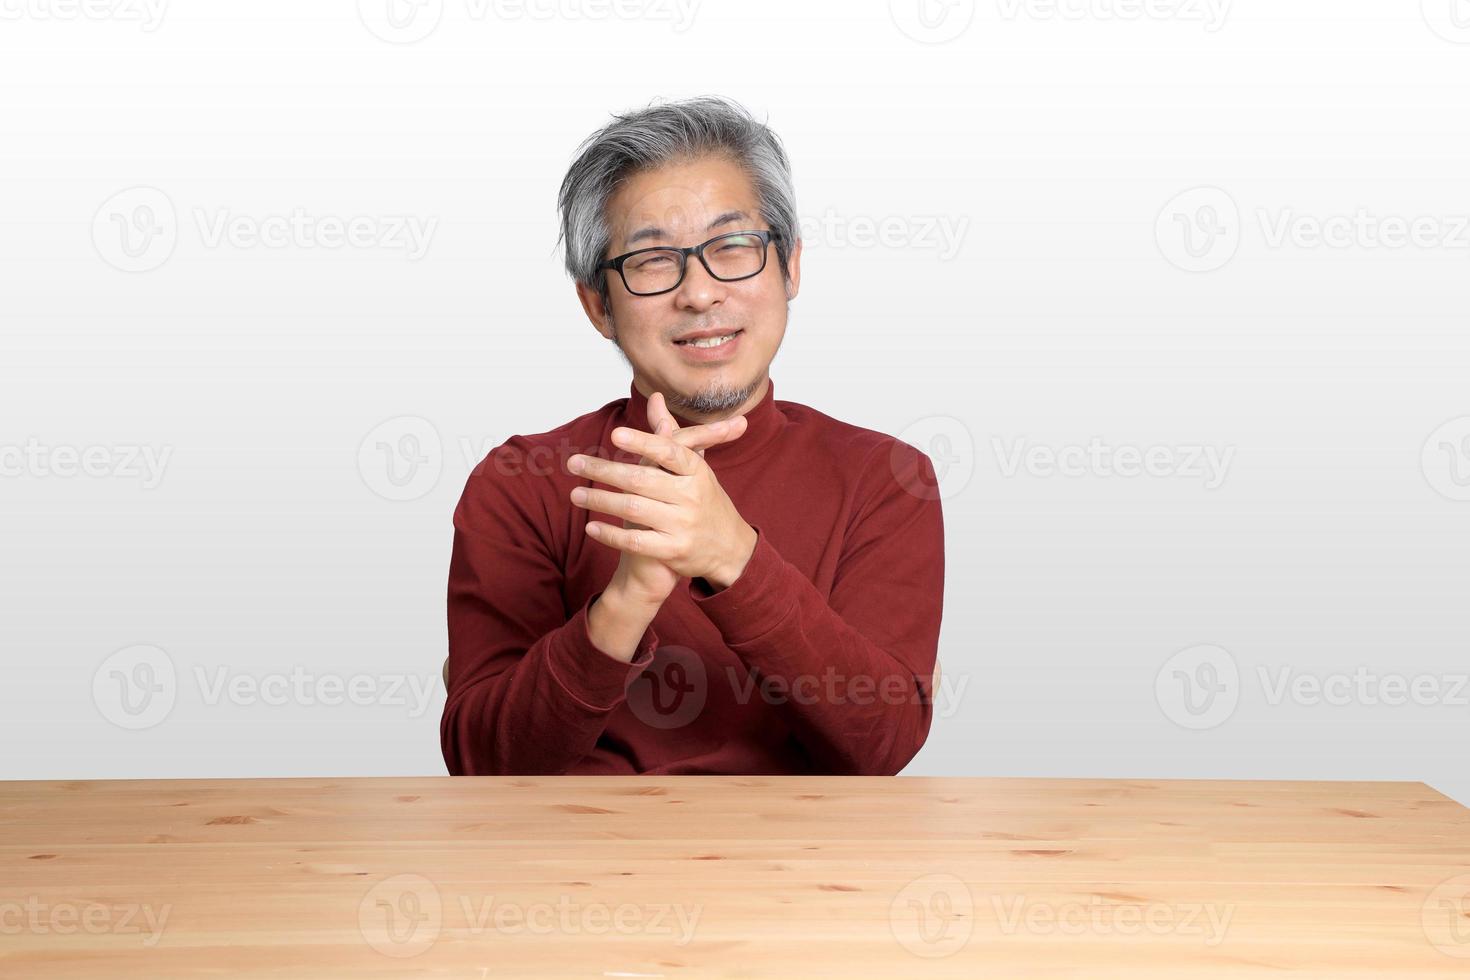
[697, 578]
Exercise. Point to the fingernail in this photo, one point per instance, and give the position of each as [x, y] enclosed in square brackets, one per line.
[579, 495]
[575, 464]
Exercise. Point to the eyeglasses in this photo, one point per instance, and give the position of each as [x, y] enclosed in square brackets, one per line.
[728, 258]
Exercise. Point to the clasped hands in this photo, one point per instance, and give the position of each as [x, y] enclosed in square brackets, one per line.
[675, 511]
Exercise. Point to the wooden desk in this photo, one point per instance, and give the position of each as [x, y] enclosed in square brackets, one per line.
[733, 876]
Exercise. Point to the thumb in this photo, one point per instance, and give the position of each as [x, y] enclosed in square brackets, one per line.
[663, 420]
[658, 413]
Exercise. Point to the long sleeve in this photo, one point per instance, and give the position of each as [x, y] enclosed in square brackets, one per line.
[853, 674]
[528, 692]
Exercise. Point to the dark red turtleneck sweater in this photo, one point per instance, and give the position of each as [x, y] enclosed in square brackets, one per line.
[817, 659]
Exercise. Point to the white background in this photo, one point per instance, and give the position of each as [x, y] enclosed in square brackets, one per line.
[1075, 296]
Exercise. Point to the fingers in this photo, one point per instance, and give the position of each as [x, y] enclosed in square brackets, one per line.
[646, 481]
[658, 414]
[637, 542]
[595, 499]
[664, 428]
[633, 508]
[666, 452]
[666, 425]
[696, 437]
[701, 437]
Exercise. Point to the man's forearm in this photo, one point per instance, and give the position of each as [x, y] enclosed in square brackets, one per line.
[616, 623]
[546, 707]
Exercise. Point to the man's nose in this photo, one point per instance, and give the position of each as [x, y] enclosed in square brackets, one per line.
[699, 290]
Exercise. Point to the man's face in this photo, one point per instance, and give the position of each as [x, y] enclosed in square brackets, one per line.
[684, 204]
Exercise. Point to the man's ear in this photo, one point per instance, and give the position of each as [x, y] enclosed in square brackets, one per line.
[793, 271]
[596, 309]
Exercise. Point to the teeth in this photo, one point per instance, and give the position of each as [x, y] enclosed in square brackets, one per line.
[709, 341]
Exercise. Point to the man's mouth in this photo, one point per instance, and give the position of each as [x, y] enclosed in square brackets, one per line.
[710, 341]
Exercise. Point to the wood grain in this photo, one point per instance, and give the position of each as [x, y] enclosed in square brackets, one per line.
[769, 876]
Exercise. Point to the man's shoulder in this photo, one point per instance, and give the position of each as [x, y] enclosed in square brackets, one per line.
[882, 467]
[847, 441]
[544, 454]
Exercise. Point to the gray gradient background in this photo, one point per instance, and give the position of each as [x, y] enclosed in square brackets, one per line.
[1337, 540]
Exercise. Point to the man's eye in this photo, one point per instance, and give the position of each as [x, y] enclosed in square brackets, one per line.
[652, 260]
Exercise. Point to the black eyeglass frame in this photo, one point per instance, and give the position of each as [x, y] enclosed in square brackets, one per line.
[765, 235]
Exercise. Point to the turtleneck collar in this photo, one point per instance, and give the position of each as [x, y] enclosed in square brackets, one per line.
[763, 422]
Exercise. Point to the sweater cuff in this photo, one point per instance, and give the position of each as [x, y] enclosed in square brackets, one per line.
[753, 604]
[594, 679]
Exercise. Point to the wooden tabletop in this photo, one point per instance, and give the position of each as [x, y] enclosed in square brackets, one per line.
[769, 876]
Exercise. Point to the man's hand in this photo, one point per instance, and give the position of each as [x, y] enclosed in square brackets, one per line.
[687, 520]
[642, 577]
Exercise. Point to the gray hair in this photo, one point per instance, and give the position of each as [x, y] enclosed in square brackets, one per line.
[658, 134]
